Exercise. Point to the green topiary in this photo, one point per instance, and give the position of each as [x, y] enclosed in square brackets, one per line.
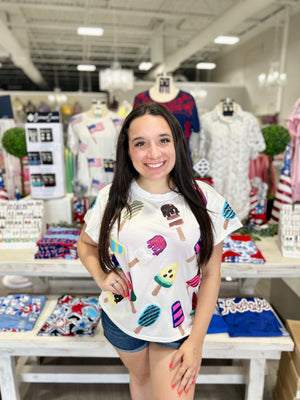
[14, 142]
[276, 138]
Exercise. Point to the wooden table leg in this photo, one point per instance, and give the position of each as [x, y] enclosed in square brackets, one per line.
[8, 379]
[256, 379]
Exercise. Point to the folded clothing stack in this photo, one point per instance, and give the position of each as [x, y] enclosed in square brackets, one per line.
[250, 316]
[19, 312]
[241, 249]
[60, 243]
[73, 316]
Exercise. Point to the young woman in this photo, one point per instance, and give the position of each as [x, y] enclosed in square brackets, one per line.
[153, 243]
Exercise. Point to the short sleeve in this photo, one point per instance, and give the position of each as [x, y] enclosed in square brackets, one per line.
[223, 218]
[93, 217]
[255, 139]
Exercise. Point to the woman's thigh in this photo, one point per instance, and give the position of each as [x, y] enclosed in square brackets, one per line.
[137, 364]
[161, 376]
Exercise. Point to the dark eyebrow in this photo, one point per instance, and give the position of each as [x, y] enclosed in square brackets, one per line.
[161, 135]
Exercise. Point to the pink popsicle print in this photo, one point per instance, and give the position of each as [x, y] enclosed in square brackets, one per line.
[154, 247]
[197, 249]
[178, 316]
[194, 282]
[171, 213]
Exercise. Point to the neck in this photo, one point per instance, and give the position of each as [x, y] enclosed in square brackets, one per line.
[154, 186]
[164, 89]
[97, 111]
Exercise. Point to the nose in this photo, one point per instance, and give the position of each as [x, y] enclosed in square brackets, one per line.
[153, 150]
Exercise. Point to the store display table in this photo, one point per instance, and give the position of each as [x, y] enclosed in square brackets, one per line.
[252, 352]
[22, 262]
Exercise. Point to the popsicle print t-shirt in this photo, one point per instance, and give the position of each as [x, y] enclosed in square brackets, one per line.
[156, 248]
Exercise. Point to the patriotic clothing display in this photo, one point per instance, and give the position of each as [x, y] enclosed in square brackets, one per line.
[258, 202]
[183, 107]
[159, 261]
[250, 316]
[94, 141]
[217, 323]
[19, 312]
[3, 192]
[60, 243]
[284, 187]
[73, 316]
[241, 249]
[228, 146]
[293, 126]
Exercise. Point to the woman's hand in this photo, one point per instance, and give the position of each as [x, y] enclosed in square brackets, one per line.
[116, 282]
[186, 362]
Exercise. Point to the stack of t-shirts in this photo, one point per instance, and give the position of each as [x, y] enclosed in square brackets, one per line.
[217, 323]
[73, 316]
[250, 316]
[19, 312]
[60, 243]
[241, 249]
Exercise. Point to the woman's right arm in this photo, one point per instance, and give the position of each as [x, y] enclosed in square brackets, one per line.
[88, 253]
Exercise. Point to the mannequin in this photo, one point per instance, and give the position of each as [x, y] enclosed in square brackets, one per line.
[164, 89]
[92, 137]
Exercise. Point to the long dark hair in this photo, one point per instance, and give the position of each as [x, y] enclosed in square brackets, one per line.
[181, 177]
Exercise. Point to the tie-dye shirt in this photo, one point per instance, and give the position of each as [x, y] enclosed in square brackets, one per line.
[156, 248]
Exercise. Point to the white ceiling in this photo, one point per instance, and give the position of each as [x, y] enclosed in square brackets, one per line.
[40, 49]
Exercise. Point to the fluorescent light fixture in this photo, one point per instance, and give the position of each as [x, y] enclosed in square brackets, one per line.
[85, 30]
[205, 65]
[226, 39]
[86, 67]
[145, 65]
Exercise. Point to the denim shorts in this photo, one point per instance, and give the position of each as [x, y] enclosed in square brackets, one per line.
[126, 343]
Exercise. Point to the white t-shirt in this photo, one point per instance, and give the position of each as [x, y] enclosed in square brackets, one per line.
[156, 248]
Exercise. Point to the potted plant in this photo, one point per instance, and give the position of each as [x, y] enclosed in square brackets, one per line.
[14, 142]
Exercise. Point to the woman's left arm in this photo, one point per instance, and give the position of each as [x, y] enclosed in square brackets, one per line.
[188, 358]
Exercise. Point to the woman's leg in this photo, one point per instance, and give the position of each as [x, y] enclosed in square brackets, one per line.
[161, 376]
[139, 370]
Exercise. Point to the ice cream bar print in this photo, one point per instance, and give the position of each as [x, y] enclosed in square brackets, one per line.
[148, 317]
[165, 278]
[194, 282]
[115, 246]
[113, 298]
[153, 248]
[227, 213]
[171, 213]
[178, 316]
[197, 249]
[128, 213]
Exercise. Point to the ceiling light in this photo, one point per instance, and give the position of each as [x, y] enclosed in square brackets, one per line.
[145, 65]
[86, 67]
[205, 65]
[85, 30]
[226, 39]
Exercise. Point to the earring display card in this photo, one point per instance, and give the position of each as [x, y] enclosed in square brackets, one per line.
[44, 138]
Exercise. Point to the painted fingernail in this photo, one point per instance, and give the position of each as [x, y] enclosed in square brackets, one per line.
[173, 385]
[171, 365]
[194, 381]
[187, 390]
[130, 286]
[180, 391]
[126, 295]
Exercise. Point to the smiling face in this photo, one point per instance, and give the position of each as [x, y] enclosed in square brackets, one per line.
[152, 152]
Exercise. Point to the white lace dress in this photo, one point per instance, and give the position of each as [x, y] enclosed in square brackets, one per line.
[228, 145]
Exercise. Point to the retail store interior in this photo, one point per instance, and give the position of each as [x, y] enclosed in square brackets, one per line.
[70, 74]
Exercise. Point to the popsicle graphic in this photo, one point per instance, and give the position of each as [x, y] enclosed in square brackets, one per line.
[116, 262]
[194, 303]
[132, 298]
[154, 247]
[178, 316]
[171, 213]
[165, 278]
[133, 209]
[113, 298]
[197, 249]
[194, 282]
[115, 246]
[227, 213]
[148, 317]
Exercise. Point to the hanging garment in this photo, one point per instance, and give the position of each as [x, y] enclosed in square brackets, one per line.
[230, 143]
[183, 107]
[94, 141]
[293, 125]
